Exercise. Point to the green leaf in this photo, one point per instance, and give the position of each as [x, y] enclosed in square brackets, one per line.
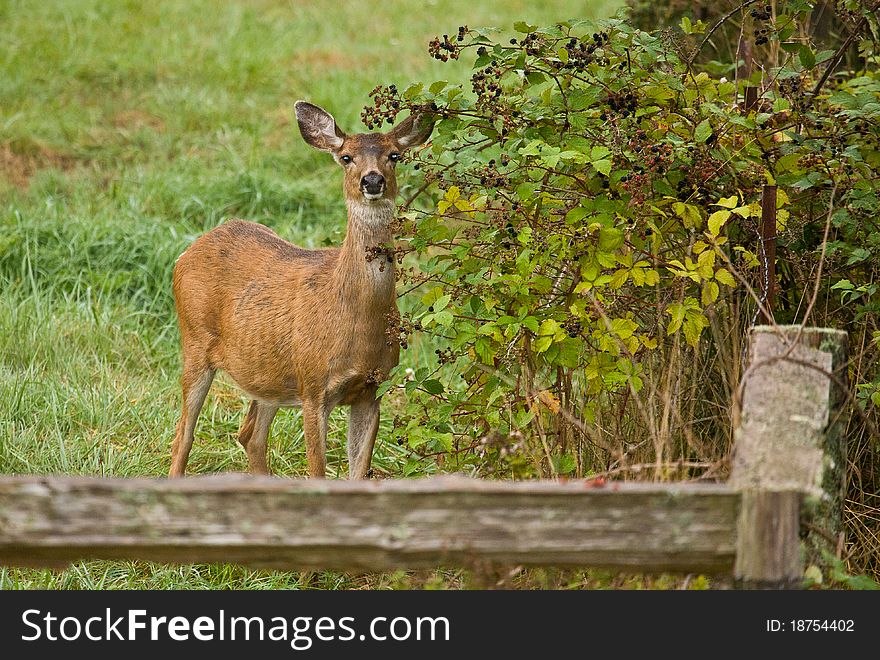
[549, 327]
[522, 26]
[598, 153]
[433, 386]
[569, 353]
[584, 98]
[861, 582]
[746, 211]
[541, 284]
[705, 261]
[623, 328]
[576, 215]
[858, 254]
[606, 260]
[717, 220]
[523, 264]
[525, 191]
[689, 213]
[728, 202]
[685, 25]
[564, 464]
[724, 276]
[533, 148]
[440, 303]
[445, 440]
[824, 55]
[531, 323]
[416, 437]
[543, 343]
[620, 277]
[806, 56]
[703, 131]
[677, 312]
[610, 238]
[789, 163]
[781, 105]
[693, 327]
[444, 318]
[483, 348]
[431, 297]
[603, 166]
[413, 90]
[709, 293]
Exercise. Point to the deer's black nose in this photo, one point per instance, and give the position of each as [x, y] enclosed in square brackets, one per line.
[373, 183]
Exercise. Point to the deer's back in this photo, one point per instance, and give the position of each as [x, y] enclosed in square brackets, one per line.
[237, 260]
[241, 293]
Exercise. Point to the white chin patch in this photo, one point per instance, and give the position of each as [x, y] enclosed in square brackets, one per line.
[371, 197]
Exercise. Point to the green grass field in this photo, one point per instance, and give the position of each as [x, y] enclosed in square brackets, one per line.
[127, 129]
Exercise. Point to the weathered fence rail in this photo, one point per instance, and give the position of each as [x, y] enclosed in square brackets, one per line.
[789, 452]
[375, 525]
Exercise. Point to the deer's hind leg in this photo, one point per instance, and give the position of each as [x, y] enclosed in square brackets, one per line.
[255, 433]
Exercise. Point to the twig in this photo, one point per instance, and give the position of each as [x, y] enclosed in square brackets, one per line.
[717, 25]
[842, 50]
[648, 466]
[818, 280]
[424, 187]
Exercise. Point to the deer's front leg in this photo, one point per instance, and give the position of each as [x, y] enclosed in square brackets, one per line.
[363, 424]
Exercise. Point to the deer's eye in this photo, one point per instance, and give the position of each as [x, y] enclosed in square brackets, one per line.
[394, 156]
[345, 158]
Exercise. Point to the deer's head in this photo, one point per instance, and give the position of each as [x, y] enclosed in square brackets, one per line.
[367, 159]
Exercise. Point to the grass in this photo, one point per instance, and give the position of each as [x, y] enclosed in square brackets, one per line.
[127, 129]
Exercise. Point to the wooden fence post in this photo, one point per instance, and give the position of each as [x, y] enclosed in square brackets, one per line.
[789, 442]
[767, 542]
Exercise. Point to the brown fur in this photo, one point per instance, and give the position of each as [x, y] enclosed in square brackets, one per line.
[293, 326]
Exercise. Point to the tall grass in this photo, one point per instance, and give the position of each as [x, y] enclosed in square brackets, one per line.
[126, 130]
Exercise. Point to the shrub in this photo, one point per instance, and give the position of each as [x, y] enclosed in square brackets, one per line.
[591, 255]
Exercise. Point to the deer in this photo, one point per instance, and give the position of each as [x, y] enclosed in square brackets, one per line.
[296, 327]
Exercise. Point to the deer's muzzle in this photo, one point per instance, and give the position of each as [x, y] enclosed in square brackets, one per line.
[373, 185]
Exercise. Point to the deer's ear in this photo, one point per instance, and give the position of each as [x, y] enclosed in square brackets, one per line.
[317, 127]
[414, 130]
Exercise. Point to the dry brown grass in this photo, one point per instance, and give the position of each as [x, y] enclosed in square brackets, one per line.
[19, 163]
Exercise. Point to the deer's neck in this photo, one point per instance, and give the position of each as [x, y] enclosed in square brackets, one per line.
[362, 279]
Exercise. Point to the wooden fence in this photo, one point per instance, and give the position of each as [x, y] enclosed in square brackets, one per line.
[788, 467]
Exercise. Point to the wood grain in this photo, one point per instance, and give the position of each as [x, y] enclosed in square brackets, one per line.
[368, 525]
[768, 550]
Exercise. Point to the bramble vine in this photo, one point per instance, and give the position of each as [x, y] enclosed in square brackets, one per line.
[594, 213]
